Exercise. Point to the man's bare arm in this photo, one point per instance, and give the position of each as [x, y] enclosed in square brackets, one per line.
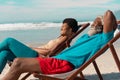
[109, 22]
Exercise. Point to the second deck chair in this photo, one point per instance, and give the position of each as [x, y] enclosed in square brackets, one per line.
[66, 42]
[73, 74]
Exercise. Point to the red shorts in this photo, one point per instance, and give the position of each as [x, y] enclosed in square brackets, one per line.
[54, 66]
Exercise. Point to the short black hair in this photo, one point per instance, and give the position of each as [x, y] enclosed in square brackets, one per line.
[72, 23]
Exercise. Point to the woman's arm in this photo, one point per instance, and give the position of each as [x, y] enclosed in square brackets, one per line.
[52, 47]
[57, 46]
[42, 51]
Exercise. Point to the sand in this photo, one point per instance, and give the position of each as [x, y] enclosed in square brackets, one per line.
[106, 65]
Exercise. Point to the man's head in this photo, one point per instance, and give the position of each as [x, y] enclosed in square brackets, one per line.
[98, 21]
[69, 26]
[97, 26]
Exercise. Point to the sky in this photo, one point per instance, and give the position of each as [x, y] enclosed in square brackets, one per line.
[12, 11]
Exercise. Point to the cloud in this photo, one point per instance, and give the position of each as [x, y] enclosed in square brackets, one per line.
[50, 5]
[39, 9]
[69, 3]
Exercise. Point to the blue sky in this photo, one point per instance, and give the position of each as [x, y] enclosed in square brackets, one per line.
[53, 10]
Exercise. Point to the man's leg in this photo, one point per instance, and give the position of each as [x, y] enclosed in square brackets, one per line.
[21, 65]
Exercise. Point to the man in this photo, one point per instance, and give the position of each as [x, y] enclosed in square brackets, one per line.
[71, 58]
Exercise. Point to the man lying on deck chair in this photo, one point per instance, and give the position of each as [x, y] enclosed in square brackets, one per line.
[71, 58]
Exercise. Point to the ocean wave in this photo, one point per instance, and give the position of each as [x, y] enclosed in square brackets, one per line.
[28, 26]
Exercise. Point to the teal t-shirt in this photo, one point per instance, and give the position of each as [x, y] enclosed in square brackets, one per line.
[84, 48]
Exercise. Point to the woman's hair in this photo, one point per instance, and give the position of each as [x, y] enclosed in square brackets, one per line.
[72, 23]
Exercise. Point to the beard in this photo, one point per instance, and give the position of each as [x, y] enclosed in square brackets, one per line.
[94, 30]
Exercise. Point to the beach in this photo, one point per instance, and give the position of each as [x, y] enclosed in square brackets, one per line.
[37, 37]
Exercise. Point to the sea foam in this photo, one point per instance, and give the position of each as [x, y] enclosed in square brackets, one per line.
[28, 26]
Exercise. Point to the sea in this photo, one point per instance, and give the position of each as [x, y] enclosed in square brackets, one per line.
[33, 34]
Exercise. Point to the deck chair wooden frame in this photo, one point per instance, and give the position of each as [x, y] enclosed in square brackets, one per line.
[91, 60]
[66, 42]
